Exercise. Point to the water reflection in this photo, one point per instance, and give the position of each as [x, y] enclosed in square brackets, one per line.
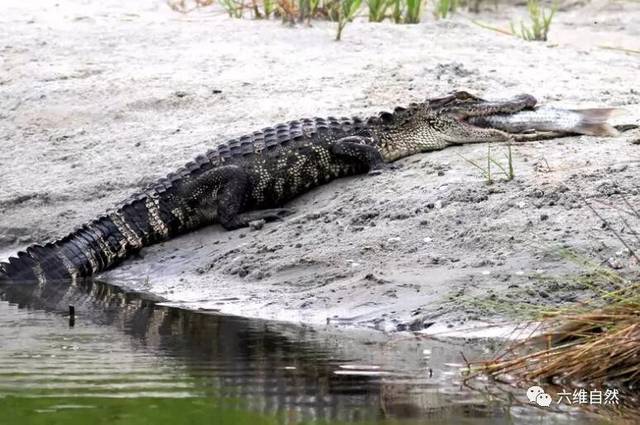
[124, 344]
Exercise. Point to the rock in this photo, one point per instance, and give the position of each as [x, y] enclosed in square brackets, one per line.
[257, 224]
[615, 263]
[617, 168]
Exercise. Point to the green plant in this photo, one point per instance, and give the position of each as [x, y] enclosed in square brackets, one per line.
[347, 11]
[444, 8]
[269, 7]
[313, 9]
[234, 9]
[397, 11]
[510, 174]
[540, 19]
[304, 10]
[378, 9]
[486, 172]
[413, 11]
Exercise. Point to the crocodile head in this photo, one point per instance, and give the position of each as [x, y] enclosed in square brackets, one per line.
[453, 113]
[441, 122]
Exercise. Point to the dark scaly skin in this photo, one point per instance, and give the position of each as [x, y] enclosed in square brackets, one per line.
[251, 177]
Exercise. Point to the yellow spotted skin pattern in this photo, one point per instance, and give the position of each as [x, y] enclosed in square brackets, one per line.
[251, 177]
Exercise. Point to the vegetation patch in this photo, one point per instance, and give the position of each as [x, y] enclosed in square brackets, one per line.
[344, 11]
[588, 345]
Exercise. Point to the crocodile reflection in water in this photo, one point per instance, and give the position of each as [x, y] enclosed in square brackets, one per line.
[265, 366]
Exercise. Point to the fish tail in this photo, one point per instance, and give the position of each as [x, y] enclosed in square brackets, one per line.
[594, 122]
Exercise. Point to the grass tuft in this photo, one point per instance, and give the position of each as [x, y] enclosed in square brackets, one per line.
[234, 8]
[540, 18]
[378, 9]
[444, 8]
[344, 11]
[488, 175]
[347, 11]
[413, 11]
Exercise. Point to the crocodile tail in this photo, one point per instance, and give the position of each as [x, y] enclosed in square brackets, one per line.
[87, 250]
[97, 245]
[151, 216]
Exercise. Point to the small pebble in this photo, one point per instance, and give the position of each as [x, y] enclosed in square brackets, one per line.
[256, 224]
[614, 263]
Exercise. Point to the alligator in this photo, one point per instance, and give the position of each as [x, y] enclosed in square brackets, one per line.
[250, 178]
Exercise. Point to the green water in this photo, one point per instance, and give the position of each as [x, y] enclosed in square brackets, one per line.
[134, 411]
[127, 360]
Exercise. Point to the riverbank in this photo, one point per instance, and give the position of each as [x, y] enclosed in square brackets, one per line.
[99, 99]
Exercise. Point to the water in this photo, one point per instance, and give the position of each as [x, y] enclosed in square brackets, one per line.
[128, 360]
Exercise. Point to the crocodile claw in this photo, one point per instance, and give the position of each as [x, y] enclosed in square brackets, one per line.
[382, 168]
[272, 214]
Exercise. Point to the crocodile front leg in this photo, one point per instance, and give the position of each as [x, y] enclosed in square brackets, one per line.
[355, 147]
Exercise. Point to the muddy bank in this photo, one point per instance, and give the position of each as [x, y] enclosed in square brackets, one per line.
[99, 99]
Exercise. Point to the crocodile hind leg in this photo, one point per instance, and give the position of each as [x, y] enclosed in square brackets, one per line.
[355, 147]
[231, 184]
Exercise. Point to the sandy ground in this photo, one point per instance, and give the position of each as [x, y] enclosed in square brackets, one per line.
[100, 98]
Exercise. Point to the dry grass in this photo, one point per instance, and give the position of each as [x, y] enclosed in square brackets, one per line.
[594, 350]
[620, 49]
[590, 345]
[582, 348]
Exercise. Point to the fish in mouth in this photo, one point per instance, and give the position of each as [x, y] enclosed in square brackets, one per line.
[527, 120]
[591, 122]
